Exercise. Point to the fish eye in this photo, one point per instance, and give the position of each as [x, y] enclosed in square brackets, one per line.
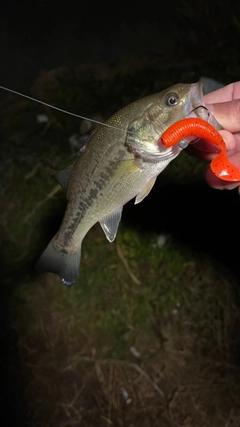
[172, 99]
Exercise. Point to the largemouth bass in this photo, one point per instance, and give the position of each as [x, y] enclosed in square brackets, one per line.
[120, 161]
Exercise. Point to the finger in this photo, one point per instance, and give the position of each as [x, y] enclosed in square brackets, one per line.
[227, 114]
[235, 159]
[218, 183]
[227, 93]
[203, 149]
[229, 139]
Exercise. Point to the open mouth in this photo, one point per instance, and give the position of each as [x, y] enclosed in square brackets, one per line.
[203, 113]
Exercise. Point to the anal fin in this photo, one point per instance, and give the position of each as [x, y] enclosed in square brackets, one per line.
[110, 224]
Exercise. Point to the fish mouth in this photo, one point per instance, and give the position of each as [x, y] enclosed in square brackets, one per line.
[196, 94]
[198, 107]
[200, 111]
[154, 156]
[197, 103]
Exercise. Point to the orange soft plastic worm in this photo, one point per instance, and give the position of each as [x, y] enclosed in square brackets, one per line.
[220, 165]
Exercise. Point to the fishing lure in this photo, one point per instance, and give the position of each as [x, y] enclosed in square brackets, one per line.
[184, 128]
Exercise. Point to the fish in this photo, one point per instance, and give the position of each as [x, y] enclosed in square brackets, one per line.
[120, 161]
[220, 165]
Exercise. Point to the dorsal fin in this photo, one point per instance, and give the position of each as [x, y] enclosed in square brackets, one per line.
[62, 177]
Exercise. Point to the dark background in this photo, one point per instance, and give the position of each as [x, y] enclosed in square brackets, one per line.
[44, 35]
[37, 36]
[200, 38]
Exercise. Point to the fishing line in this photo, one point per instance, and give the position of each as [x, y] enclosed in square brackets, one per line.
[60, 109]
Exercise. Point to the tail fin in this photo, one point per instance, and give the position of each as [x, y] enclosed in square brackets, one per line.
[65, 264]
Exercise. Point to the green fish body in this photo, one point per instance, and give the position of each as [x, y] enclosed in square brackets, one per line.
[120, 161]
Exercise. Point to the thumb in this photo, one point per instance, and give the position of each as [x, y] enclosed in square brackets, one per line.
[227, 114]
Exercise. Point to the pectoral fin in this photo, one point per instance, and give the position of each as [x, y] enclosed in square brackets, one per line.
[62, 177]
[145, 190]
[110, 224]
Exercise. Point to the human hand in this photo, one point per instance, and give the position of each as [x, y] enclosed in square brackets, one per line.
[224, 104]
